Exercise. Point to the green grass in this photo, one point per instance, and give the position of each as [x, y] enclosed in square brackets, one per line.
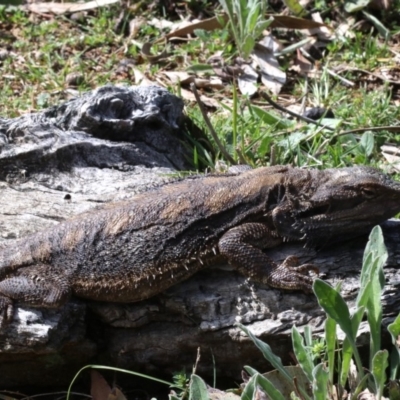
[45, 52]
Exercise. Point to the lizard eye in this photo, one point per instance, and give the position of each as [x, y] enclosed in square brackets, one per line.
[368, 192]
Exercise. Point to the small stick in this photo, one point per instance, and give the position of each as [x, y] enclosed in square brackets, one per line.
[209, 125]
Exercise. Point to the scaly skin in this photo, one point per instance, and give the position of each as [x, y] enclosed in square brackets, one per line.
[131, 251]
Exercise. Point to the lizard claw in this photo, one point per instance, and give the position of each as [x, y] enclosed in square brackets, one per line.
[292, 276]
[6, 310]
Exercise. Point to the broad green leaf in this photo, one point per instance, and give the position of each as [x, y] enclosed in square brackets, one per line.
[394, 363]
[320, 382]
[251, 371]
[394, 330]
[269, 388]
[379, 365]
[247, 46]
[261, 26]
[266, 351]
[347, 348]
[252, 18]
[173, 397]
[197, 389]
[367, 142]
[302, 353]
[334, 305]
[330, 340]
[249, 389]
[372, 283]
[270, 118]
[292, 141]
[355, 5]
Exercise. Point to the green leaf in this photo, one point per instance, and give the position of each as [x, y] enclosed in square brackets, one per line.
[266, 351]
[320, 382]
[355, 5]
[394, 330]
[347, 348]
[261, 26]
[383, 31]
[336, 308]
[270, 118]
[249, 389]
[302, 353]
[333, 304]
[252, 18]
[247, 46]
[197, 389]
[394, 390]
[379, 365]
[330, 340]
[372, 283]
[269, 388]
[367, 142]
[200, 68]
[295, 7]
[251, 371]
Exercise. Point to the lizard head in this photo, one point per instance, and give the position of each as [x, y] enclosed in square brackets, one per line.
[341, 203]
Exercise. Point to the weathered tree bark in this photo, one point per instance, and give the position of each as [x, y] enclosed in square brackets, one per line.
[108, 145]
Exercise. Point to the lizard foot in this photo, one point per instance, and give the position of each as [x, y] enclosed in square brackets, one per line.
[292, 276]
[6, 310]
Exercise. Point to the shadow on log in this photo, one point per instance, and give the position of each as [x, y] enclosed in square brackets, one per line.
[108, 145]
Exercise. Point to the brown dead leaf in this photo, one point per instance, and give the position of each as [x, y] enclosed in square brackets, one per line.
[141, 79]
[392, 155]
[247, 81]
[285, 21]
[280, 21]
[272, 75]
[301, 64]
[134, 26]
[99, 388]
[207, 101]
[64, 8]
[207, 24]
[116, 394]
[179, 77]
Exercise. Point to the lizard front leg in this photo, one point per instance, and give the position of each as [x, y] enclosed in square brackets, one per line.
[33, 286]
[242, 247]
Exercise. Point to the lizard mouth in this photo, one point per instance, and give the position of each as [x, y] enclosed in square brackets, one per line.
[333, 209]
[341, 221]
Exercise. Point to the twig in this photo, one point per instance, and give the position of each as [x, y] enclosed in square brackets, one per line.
[210, 127]
[292, 113]
[382, 78]
[374, 129]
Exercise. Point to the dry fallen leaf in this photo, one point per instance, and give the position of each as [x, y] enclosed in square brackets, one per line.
[392, 155]
[63, 8]
[247, 81]
[272, 75]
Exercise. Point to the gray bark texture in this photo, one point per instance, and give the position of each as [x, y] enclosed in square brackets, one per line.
[108, 145]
